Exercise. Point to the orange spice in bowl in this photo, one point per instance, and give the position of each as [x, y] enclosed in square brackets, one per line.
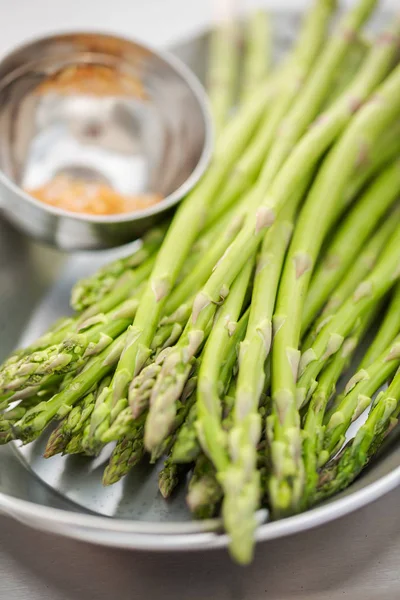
[92, 198]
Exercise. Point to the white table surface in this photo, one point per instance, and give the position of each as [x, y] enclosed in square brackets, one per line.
[356, 557]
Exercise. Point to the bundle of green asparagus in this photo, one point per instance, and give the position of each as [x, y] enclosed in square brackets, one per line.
[218, 346]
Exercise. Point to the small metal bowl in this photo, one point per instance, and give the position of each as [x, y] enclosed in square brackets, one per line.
[155, 138]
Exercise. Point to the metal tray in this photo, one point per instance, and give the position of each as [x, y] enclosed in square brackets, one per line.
[64, 495]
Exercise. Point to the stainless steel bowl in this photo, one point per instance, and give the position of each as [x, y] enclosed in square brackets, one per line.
[63, 495]
[155, 139]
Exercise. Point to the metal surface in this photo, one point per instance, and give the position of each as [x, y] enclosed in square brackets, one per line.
[24, 497]
[356, 557]
[144, 129]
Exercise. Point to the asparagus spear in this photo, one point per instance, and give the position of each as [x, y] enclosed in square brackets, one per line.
[54, 335]
[127, 453]
[388, 329]
[241, 480]
[318, 86]
[77, 443]
[368, 293]
[37, 418]
[61, 435]
[48, 387]
[68, 356]
[200, 491]
[185, 405]
[222, 70]
[125, 423]
[91, 290]
[286, 484]
[257, 55]
[362, 265]
[354, 59]
[202, 270]
[386, 149]
[141, 387]
[294, 74]
[301, 164]
[129, 284]
[379, 63]
[246, 242]
[186, 447]
[204, 492]
[73, 423]
[12, 415]
[313, 423]
[358, 393]
[168, 334]
[169, 477]
[176, 366]
[349, 239]
[359, 451]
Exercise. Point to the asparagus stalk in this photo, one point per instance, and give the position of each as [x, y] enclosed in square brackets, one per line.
[186, 447]
[301, 164]
[358, 393]
[37, 418]
[129, 284]
[73, 423]
[241, 480]
[185, 405]
[54, 335]
[126, 422]
[12, 415]
[176, 366]
[359, 451]
[77, 443]
[313, 424]
[388, 329]
[354, 59]
[141, 387]
[362, 265]
[48, 387]
[331, 337]
[244, 248]
[350, 238]
[91, 290]
[204, 492]
[169, 477]
[317, 87]
[127, 453]
[67, 357]
[223, 62]
[287, 481]
[62, 434]
[371, 162]
[202, 270]
[257, 56]
[294, 74]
